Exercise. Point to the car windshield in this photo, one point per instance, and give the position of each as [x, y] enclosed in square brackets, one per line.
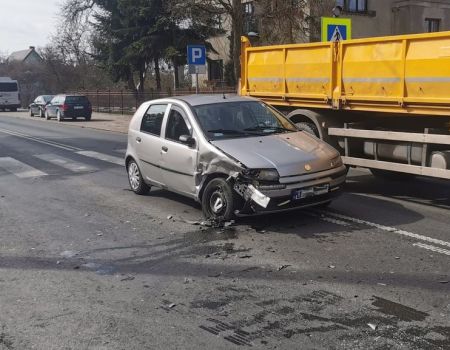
[240, 119]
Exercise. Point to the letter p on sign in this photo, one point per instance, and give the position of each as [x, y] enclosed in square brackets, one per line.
[196, 55]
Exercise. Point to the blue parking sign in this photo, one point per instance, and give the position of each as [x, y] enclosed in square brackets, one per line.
[196, 55]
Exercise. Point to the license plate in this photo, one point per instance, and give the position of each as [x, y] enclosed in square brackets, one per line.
[310, 192]
[78, 107]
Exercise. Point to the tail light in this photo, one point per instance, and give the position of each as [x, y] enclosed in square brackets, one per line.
[65, 107]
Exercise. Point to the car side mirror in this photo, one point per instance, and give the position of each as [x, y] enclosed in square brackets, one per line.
[187, 140]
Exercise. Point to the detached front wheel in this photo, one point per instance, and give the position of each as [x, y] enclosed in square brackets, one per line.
[219, 201]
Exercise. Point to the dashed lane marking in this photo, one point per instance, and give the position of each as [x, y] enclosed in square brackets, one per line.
[19, 169]
[328, 219]
[432, 248]
[388, 229]
[103, 157]
[66, 163]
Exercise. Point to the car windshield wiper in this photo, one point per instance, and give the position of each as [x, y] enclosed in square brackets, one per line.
[227, 131]
[276, 128]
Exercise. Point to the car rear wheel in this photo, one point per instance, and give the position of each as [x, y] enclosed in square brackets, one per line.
[219, 200]
[59, 117]
[47, 116]
[41, 114]
[31, 113]
[135, 179]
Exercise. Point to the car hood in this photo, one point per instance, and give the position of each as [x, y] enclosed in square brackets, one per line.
[289, 153]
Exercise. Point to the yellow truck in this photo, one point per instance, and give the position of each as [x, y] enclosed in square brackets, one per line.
[383, 102]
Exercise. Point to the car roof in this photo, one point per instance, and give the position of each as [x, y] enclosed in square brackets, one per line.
[198, 100]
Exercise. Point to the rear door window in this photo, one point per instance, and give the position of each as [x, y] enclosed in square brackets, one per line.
[153, 119]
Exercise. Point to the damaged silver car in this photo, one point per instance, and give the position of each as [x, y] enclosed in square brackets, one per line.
[235, 155]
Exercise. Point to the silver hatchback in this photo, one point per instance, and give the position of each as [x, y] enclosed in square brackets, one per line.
[234, 155]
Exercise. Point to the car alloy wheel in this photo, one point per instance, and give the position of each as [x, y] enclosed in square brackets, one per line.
[218, 202]
[135, 179]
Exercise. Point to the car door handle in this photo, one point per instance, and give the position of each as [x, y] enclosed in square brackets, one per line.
[164, 148]
[138, 140]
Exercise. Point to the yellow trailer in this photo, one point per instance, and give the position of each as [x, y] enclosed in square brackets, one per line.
[385, 102]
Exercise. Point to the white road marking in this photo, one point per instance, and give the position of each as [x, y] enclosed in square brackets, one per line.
[328, 219]
[103, 157]
[66, 163]
[432, 248]
[389, 229]
[19, 169]
[40, 140]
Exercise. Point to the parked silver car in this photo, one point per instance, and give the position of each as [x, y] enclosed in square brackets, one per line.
[235, 155]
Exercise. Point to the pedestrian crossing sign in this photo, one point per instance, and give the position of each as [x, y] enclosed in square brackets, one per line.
[336, 29]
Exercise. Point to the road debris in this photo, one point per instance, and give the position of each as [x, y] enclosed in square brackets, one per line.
[373, 326]
[169, 217]
[331, 266]
[282, 267]
[128, 278]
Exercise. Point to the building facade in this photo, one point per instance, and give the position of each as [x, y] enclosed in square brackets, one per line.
[391, 17]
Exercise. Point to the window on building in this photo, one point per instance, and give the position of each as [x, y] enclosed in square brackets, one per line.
[433, 24]
[249, 8]
[359, 6]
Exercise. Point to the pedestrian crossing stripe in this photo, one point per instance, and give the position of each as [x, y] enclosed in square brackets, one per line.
[103, 157]
[66, 163]
[19, 169]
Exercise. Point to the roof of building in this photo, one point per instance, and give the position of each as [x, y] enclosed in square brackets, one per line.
[22, 54]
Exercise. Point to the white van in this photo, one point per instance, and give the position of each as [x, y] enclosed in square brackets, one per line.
[9, 94]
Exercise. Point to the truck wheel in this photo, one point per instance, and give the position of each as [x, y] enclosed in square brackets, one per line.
[219, 200]
[391, 175]
[310, 128]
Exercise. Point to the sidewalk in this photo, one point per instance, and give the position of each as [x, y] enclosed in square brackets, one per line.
[101, 121]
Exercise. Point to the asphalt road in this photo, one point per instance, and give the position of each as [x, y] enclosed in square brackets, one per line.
[86, 264]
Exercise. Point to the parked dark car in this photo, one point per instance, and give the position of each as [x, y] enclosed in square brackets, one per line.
[37, 107]
[69, 107]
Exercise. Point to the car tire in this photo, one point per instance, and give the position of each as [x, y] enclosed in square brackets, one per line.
[47, 116]
[59, 116]
[308, 127]
[41, 114]
[135, 179]
[87, 118]
[219, 200]
[31, 113]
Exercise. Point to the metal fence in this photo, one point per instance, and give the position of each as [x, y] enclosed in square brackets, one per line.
[109, 101]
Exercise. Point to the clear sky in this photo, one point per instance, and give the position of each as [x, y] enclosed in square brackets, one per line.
[25, 23]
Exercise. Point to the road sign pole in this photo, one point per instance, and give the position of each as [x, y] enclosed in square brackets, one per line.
[196, 82]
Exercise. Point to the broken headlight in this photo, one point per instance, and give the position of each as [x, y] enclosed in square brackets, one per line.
[262, 174]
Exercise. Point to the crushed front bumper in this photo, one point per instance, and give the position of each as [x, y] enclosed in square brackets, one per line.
[281, 197]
